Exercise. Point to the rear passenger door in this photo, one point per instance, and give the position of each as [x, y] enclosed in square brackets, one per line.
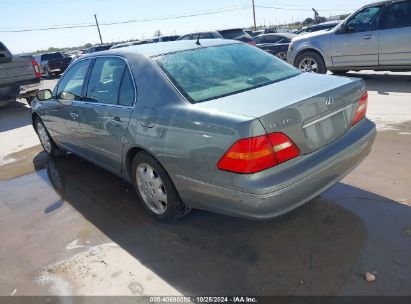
[395, 38]
[106, 111]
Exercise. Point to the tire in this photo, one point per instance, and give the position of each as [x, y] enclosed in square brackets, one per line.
[156, 190]
[29, 100]
[49, 75]
[46, 141]
[281, 54]
[340, 72]
[310, 62]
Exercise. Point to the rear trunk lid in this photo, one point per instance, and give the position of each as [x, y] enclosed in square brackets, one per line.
[313, 110]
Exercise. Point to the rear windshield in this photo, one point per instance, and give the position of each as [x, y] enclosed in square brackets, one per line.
[52, 56]
[217, 71]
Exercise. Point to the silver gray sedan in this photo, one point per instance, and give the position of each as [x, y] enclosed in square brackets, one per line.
[211, 124]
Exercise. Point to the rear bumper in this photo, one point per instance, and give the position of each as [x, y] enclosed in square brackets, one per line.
[327, 166]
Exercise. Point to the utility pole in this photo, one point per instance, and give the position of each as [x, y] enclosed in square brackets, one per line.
[255, 24]
[98, 28]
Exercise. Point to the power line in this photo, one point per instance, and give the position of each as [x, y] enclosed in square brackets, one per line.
[179, 16]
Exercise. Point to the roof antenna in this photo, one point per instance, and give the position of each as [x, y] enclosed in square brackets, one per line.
[198, 40]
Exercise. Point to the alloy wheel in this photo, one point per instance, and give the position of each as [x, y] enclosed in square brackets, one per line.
[308, 65]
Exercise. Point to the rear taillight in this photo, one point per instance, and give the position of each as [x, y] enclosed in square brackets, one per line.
[255, 154]
[36, 68]
[361, 109]
[252, 42]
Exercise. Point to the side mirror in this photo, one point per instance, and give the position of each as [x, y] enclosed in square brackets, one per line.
[44, 95]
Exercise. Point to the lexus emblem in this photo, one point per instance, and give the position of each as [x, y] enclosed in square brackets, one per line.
[329, 101]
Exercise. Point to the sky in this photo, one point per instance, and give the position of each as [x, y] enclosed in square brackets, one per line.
[19, 15]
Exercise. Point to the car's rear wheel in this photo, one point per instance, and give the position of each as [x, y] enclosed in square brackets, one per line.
[281, 54]
[46, 141]
[156, 190]
[311, 62]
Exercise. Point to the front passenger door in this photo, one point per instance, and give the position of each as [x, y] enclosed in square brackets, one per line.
[356, 42]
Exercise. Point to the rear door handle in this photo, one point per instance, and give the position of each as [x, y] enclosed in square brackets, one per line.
[368, 37]
[73, 115]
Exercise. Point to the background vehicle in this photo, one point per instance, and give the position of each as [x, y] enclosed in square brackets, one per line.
[166, 38]
[376, 37]
[217, 126]
[19, 77]
[235, 34]
[201, 35]
[276, 44]
[318, 27]
[125, 44]
[98, 48]
[52, 63]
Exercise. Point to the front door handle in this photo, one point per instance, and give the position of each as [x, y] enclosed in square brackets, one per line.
[368, 37]
[117, 121]
[74, 115]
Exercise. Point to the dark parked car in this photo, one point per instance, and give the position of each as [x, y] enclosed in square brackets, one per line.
[276, 44]
[19, 77]
[221, 126]
[52, 63]
[318, 27]
[235, 34]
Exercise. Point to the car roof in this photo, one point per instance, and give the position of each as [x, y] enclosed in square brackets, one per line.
[155, 49]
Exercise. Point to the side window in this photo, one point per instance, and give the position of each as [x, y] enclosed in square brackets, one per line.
[186, 37]
[399, 15]
[71, 84]
[126, 96]
[367, 19]
[258, 39]
[105, 80]
[271, 39]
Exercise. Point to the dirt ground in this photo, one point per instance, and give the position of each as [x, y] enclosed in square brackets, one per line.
[71, 228]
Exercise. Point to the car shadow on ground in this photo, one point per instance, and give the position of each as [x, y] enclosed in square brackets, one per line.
[385, 84]
[316, 249]
[14, 115]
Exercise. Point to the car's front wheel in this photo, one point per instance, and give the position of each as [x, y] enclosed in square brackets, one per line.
[46, 141]
[311, 62]
[156, 190]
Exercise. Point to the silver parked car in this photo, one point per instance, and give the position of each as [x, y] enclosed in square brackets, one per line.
[220, 125]
[376, 37]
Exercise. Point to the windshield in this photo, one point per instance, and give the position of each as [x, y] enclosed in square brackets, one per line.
[213, 72]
